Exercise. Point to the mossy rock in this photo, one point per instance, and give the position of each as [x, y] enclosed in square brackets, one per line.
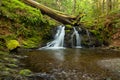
[68, 26]
[12, 44]
[14, 61]
[11, 60]
[7, 69]
[12, 66]
[67, 31]
[5, 73]
[25, 72]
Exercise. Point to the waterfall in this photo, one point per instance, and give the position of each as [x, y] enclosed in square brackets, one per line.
[58, 41]
[78, 38]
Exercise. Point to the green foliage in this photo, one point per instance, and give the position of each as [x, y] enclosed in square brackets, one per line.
[25, 72]
[9, 37]
[12, 44]
[24, 23]
[98, 35]
[31, 42]
[26, 32]
[95, 32]
[18, 11]
[93, 9]
[27, 23]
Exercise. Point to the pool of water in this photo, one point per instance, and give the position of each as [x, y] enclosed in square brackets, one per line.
[74, 64]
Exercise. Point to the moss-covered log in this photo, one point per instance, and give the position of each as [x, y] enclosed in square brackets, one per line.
[57, 15]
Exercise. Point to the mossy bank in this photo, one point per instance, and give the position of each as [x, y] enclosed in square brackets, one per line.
[20, 26]
[23, 23]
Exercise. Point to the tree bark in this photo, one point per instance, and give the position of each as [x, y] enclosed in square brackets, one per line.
[57, 15]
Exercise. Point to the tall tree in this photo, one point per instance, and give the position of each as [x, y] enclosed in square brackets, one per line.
[103, 6]
[74, 7]
[59, 4]
[109, 5]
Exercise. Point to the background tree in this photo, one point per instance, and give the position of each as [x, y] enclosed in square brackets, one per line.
[92, 9]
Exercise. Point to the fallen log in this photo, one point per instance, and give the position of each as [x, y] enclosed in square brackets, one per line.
[57, 15]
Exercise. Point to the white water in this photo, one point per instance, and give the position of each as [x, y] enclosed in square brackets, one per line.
[78, 38]
[58, 41]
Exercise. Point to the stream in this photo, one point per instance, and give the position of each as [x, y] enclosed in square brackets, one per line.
[73, 64]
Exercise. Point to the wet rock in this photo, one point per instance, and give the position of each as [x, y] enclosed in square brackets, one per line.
[5, 73]
[43, 76]
[9, 67]
[1, 60]
[11, 60]
[12, 65]
[111, 64]
[19, 57]
[7, 78]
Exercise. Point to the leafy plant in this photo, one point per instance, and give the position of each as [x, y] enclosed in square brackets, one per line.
[31, 42]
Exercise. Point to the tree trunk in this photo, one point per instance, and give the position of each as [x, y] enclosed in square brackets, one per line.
[57, 15]
[74, 6]
[103, 6]
[109, 5]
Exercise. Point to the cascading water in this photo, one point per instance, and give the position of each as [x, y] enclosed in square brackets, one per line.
[78, 38]
[58, 41]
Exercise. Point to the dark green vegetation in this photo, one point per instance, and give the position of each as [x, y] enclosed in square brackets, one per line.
[24, 26]
[23, 23]
[20, 25]
[29, 27]
[101, 17]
